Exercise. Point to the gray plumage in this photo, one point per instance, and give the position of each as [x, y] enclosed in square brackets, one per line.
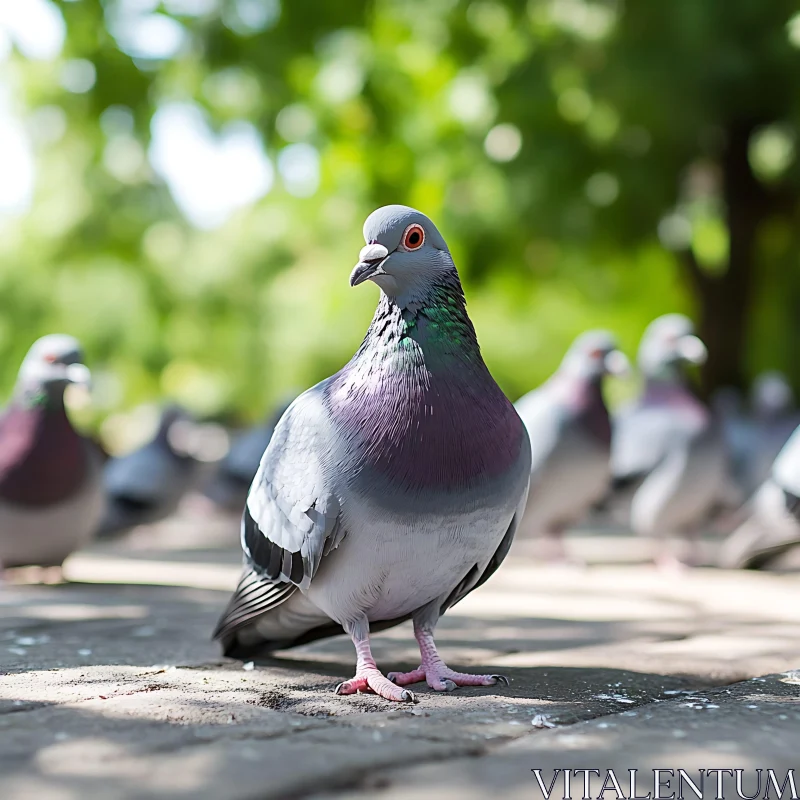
[570, 433]
[51, 496]
[774, 419]
[391, 489]
[755, 437]
[773, 523]
[666, 449]
[146, 485]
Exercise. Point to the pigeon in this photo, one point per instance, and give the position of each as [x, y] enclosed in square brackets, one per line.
[51, 494]
[570, 433]
[230, 483]
[775, 418]
[145, 486]
[390, 490]
[728, 410]
[665, 446]
[773, 523]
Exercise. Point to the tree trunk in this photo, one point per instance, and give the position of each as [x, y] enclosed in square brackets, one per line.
[725, 299]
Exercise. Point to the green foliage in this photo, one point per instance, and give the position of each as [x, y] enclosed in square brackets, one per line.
[549, 139]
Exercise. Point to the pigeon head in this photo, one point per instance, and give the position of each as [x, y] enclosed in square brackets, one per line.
[772, 395]
[405, 254]
[594, 354]
[669, 343]
[177, 430]
[53, 362]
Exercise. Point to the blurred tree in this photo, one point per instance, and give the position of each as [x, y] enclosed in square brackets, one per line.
[591, 162]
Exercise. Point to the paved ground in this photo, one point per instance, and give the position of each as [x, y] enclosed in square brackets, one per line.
[113, 690]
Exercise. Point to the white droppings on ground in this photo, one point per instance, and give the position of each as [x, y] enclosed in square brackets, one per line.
[617, 698]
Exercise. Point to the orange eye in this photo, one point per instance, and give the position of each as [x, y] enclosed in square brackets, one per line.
[50, 358]
[414, 237]
[596, 353]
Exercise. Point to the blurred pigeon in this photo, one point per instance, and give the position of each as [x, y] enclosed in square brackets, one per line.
[754, 439]
[772, 397]
[665, 446]
[51, 496]
[570, 435]
[773, 524]
[737, 426]
[775, 417]
[392, 489]
[146, 485]
[233, 475]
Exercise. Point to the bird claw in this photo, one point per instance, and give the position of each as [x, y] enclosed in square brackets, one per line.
[372, 681]
[405, 695]
[442, 679]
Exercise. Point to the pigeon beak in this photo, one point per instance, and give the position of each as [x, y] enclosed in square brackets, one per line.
[692, 349]
[616, 363]
[79, 374]
[370, 260]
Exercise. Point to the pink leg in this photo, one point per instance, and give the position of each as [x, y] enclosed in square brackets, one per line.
[437, 674]
[368, 678]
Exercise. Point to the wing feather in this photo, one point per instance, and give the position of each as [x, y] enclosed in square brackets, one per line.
[254, 596]
[291, 519]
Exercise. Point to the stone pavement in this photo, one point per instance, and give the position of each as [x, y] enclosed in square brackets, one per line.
[112, 688]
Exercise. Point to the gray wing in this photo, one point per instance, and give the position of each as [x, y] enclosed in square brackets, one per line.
[293, 513]
[291, 518]
[253, 597]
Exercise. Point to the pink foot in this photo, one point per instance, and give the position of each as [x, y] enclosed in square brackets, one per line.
[370, 679]
[443, 679]
[437, 674]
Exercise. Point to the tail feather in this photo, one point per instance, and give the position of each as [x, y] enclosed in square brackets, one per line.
[254, 596]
